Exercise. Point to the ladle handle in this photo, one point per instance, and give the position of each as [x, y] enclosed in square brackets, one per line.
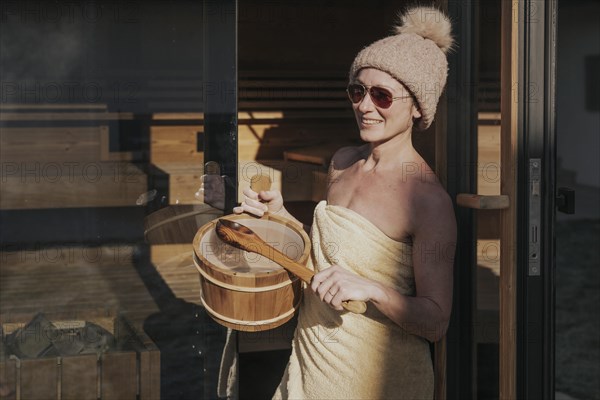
[355, 306]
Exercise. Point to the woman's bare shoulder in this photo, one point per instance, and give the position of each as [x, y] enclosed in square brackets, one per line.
[427, 195]
[433, 207]
[346, 156]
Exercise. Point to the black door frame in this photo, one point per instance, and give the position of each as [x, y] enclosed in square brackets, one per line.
[535, 274]
[220, 65]
[461, 153]
[220, 76]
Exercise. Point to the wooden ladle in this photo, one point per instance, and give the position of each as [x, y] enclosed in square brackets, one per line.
[242, 237]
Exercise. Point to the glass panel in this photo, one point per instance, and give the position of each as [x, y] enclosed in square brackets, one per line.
[486, 309]
[101, 150]
[577, 316]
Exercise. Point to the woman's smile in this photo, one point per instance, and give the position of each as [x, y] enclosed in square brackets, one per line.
[370, 121]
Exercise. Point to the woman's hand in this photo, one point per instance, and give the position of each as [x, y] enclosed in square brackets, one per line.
[258, 203]
[212, 190]
[335, 285]
[264, 201]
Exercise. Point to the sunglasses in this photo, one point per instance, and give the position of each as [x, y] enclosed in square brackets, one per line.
[381, 97]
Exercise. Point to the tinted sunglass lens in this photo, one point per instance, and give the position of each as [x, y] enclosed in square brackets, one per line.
[381, 97]
[356, 93]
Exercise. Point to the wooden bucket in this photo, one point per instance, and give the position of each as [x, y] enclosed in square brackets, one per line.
[245, 291]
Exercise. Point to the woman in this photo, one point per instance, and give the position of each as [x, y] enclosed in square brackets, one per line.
[385, 235]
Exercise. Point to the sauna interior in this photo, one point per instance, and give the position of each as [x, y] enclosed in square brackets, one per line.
[102, 135]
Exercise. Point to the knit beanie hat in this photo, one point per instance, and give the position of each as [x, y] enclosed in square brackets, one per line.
[415, 55]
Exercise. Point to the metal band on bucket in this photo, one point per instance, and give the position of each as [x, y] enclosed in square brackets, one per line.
[251, 323]
[216, 282]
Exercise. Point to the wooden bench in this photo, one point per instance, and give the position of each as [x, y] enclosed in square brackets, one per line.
[59, 155]
[276, 114]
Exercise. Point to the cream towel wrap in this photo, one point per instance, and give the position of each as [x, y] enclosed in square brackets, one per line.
[340, 355]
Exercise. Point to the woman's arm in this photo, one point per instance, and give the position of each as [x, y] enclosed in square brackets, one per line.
[434, 242]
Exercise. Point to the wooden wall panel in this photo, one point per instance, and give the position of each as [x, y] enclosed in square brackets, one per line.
[85, 184]
[274, 35]
[50, 144]
[175, 144]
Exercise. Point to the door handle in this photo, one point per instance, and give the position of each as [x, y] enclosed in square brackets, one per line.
[565, 200]
[482, 202]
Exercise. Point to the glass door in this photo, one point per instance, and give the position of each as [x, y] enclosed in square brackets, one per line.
[577, 228]
[108, 112]
[510, 294]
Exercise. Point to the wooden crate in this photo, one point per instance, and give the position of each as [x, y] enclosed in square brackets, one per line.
[131, 370]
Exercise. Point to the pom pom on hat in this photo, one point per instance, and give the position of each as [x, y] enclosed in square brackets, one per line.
[429, 23]
[415, 55]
